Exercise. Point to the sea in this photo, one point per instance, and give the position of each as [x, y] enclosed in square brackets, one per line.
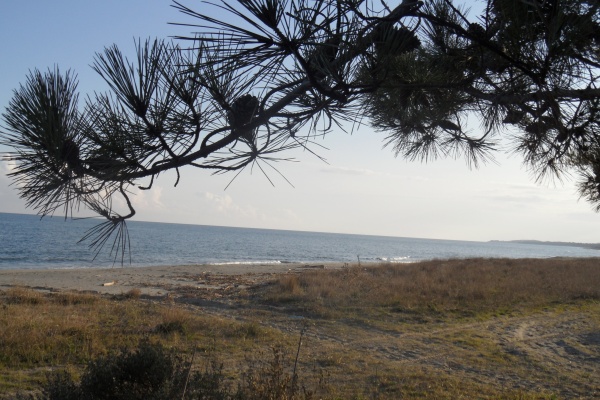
[31, 242]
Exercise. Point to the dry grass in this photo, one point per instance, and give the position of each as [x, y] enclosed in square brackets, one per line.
[449, 328]
[174, 321]
[468, 287]
[22, 295]
[38, 331]
[489, 329]
[134, 293]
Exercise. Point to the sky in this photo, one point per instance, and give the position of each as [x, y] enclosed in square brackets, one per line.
[362, 189]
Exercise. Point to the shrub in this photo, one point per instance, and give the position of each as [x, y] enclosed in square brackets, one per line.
[133, 294]
[146, 373]
[149, 372]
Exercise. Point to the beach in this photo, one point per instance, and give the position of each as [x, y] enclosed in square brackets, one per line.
[469, 328]
[153, 281]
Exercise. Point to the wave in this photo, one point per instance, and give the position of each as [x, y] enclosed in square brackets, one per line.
[250, 262]
[398, 260]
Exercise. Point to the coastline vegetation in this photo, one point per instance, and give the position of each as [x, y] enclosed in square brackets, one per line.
[477, 328]
[450, 288]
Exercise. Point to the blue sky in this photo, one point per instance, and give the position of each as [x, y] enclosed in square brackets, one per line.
[363, 189]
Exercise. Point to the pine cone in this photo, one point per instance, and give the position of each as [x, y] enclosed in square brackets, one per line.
[243, 110]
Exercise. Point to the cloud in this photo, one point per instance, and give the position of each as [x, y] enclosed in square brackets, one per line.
[222, 209]
[366, 172]
[148, 199]
[289, 216]
[348, 171]
[224, 204]
[529, 194]
[9, 197]
[6, 167]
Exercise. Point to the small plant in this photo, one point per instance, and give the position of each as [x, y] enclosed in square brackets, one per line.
[249, 330]
[272, 380]
[174, 320]
[132, 294]
[290, 284]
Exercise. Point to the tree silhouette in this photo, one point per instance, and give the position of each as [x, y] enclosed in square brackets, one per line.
[241, 94]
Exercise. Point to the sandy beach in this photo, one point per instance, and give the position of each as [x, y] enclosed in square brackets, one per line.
[158, 280]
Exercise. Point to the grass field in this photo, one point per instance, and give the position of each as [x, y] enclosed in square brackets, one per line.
[443, 329]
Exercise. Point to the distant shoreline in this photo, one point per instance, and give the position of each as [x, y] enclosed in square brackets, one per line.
[593, 246]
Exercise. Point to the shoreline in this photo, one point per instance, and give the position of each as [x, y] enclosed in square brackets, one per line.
[150, 280]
